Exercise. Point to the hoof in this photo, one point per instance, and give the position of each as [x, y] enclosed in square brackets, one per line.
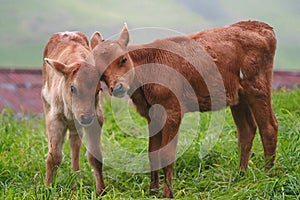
[167, 193]
[153, 192]
[101, 192]
[154, 189]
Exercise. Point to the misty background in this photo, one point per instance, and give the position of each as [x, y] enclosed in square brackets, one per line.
[25, 26]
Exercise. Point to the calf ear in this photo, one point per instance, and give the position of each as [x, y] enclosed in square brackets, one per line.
[96, 39]
[124, 37]
[58, 66]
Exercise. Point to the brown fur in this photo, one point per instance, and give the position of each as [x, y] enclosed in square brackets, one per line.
[67, 65]
[243, 54]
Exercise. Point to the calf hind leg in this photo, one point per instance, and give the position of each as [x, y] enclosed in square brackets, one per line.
[268, 127]
[75, 143]
[246, 128]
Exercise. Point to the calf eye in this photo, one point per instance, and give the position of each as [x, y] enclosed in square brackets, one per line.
[123, 61]
[73, 89]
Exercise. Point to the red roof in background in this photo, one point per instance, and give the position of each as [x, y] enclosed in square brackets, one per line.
[288, 79]
[20, 89]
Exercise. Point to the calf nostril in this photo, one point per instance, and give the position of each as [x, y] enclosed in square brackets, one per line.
[119, 87]
[86, 119]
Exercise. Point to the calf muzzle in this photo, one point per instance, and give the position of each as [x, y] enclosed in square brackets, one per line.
[119, 90]
[86, 119]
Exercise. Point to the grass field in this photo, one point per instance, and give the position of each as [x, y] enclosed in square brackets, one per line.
[23, 149]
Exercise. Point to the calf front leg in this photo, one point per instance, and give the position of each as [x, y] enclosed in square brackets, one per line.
[93, 134]
[156, 120]
[168, 151]
[153, 152]
[55, 130]
[168, 157]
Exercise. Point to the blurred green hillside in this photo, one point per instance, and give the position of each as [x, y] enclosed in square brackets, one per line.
[27, 25]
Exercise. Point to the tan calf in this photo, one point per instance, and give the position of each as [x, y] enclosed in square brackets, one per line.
[70, 95]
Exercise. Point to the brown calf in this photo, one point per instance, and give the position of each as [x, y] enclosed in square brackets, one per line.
[226, 66]
[70, 95]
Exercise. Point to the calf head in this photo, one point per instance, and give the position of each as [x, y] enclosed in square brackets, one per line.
[80, 89]
[114, 63]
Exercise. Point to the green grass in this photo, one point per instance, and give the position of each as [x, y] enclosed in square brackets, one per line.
[23, 149]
